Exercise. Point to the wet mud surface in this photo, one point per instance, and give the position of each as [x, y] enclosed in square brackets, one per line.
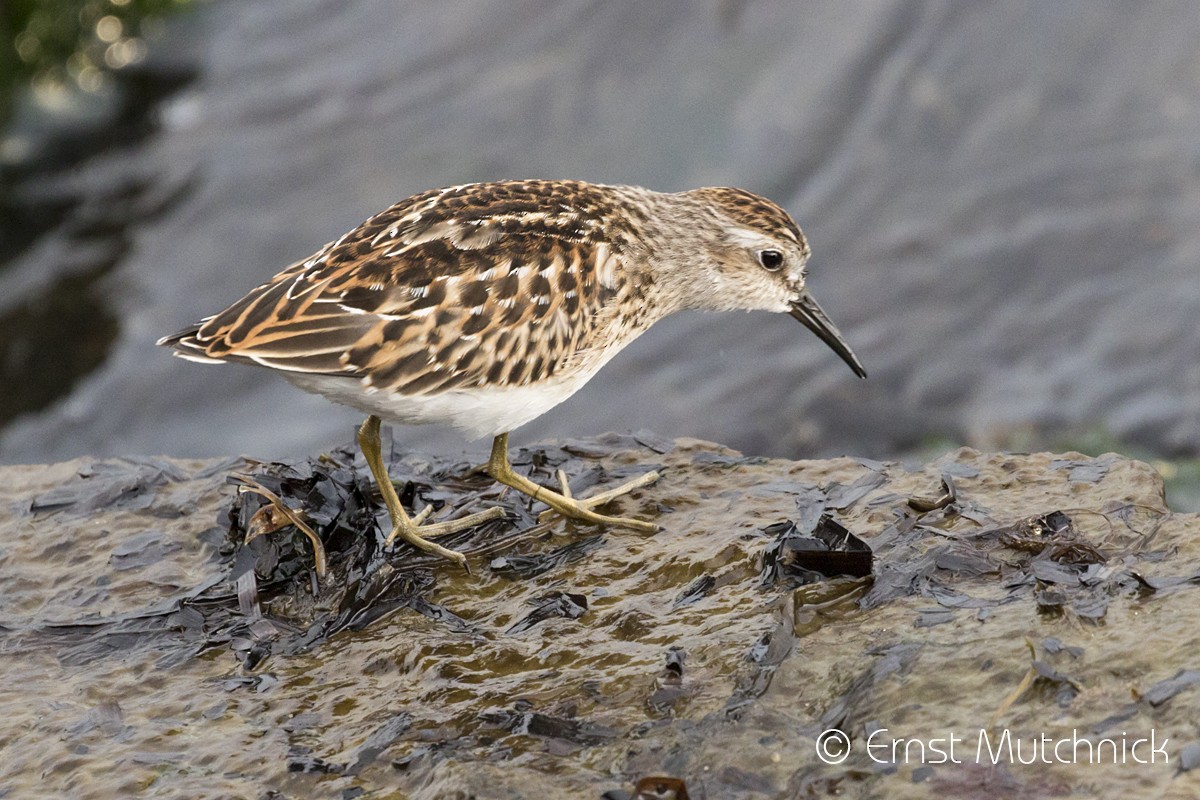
[146, 649]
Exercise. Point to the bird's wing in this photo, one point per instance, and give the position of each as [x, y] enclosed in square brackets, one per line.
[445, 290]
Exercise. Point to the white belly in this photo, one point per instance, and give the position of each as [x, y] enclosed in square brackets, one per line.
[476, 412]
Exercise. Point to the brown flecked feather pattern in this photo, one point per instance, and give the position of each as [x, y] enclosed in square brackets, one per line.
[503, 284]
[483, 306]
[753, 211]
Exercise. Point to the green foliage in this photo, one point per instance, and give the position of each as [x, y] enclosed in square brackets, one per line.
[71, 41]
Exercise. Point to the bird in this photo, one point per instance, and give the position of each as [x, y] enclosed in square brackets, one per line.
[482, 306]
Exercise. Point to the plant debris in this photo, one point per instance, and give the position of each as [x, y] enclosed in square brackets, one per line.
[523, 567]
[948, 496]
[1163, 691]
[794, 558]
[555, 604]
[695, 591]
[668, 684]
[546, 726]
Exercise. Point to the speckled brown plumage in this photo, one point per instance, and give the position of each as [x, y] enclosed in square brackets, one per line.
[494, 286]
[486, 285]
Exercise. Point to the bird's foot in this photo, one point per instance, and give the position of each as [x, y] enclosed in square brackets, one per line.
[582, 508]
[564, 504]
[416, 533]
[587, 504]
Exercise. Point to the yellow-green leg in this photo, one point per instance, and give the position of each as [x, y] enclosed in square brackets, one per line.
[411, 529]
[500, 469]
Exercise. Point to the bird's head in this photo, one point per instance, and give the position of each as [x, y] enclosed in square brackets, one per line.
[756, 257]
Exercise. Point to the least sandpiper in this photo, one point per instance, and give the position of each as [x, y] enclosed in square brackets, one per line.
[484, 306]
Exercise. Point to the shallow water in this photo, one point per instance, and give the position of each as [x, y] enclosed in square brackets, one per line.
[117, 684]
[1001, 201]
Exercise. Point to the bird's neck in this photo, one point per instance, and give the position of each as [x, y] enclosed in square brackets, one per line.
[676, 235]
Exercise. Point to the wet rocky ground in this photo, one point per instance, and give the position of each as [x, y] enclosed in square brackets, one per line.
[147, 650]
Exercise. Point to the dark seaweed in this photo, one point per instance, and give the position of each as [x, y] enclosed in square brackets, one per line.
[555, 604]
[1163, 691]
[669, 687]
[545, 726]
[763, 658]
[843, 497]
[695, 591]
[379, 740]
[523, 567]
[1090, 471]
[894, 659]
[794, 559]
[128, 483]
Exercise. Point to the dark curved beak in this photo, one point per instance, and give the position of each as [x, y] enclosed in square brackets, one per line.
[805, 309]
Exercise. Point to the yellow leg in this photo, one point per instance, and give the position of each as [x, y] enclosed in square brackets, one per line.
[500, 469]
[409, 529]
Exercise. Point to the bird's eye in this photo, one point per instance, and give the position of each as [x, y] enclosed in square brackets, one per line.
[770, 259]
